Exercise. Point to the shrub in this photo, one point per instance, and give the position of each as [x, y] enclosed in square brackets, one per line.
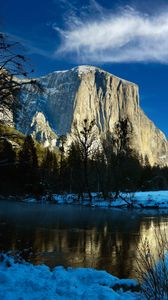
[152, 266]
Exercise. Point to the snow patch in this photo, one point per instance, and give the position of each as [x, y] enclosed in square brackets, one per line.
[27, 282]
[151, 199]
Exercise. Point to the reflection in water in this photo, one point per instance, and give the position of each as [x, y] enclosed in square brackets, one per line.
[77, 236]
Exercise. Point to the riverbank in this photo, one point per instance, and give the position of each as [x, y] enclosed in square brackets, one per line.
[20, 280]
[138, 200]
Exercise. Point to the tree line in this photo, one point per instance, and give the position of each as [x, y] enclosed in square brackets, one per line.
[84, 167]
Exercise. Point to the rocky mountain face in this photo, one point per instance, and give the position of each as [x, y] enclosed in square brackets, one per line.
[89, 92]
[42, 132]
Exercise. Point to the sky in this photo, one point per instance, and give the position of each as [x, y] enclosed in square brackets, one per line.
[126, 38]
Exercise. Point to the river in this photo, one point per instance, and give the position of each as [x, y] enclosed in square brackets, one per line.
[77, 236]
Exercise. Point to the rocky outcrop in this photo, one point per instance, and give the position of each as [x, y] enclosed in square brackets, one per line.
[6, 116]
[42, 132]
[89, 92]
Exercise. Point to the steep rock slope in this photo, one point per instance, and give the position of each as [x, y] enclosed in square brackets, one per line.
[89, 92]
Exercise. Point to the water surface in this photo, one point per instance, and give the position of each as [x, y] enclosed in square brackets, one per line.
[78, 236]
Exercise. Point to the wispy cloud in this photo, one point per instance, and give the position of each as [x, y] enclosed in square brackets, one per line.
[123, 36]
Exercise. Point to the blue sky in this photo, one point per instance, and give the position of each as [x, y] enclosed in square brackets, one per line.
[126, 38]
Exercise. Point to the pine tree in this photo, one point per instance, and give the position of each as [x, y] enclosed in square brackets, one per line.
[75, 170]
[62, 164]
[28, 163]
[7, 166]
[49, 171]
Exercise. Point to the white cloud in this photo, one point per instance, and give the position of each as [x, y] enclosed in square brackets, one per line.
[126, 36]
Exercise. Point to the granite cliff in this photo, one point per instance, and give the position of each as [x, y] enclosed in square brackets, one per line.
[89, 92]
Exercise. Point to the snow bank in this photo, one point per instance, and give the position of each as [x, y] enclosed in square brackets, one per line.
[159, 198]
[153, 199]
[27, 282]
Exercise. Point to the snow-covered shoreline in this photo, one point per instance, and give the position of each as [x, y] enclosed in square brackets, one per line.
[19, 280]
[137, 200]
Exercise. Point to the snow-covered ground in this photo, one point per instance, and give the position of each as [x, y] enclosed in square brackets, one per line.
[24, 281]
[150, 199]
[153, 199]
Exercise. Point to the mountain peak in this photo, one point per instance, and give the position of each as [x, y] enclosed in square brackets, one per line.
[92, 93]
[83, 70]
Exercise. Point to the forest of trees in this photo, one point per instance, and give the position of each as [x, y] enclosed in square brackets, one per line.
[81, 168]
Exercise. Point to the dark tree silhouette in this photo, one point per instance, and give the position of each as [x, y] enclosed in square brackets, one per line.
[62, 162]
[100, 167]
[28, 163]
[85, 138]
[126, 163]
[7, 165]
[49, 171]
[75, 167]
[7, 154]
[14, 66]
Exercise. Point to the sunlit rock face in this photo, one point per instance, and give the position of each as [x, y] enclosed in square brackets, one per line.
[89, 92]
[6, 116]
[42, 132]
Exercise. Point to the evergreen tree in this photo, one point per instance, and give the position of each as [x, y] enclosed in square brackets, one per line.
[7, 153]
[100, 167]
[123, 167]
[75, 169]
[62, 164]
[7, 166]
[49, 171]
[28, 164]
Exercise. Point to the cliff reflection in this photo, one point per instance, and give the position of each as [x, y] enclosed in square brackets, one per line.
[71, 236]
